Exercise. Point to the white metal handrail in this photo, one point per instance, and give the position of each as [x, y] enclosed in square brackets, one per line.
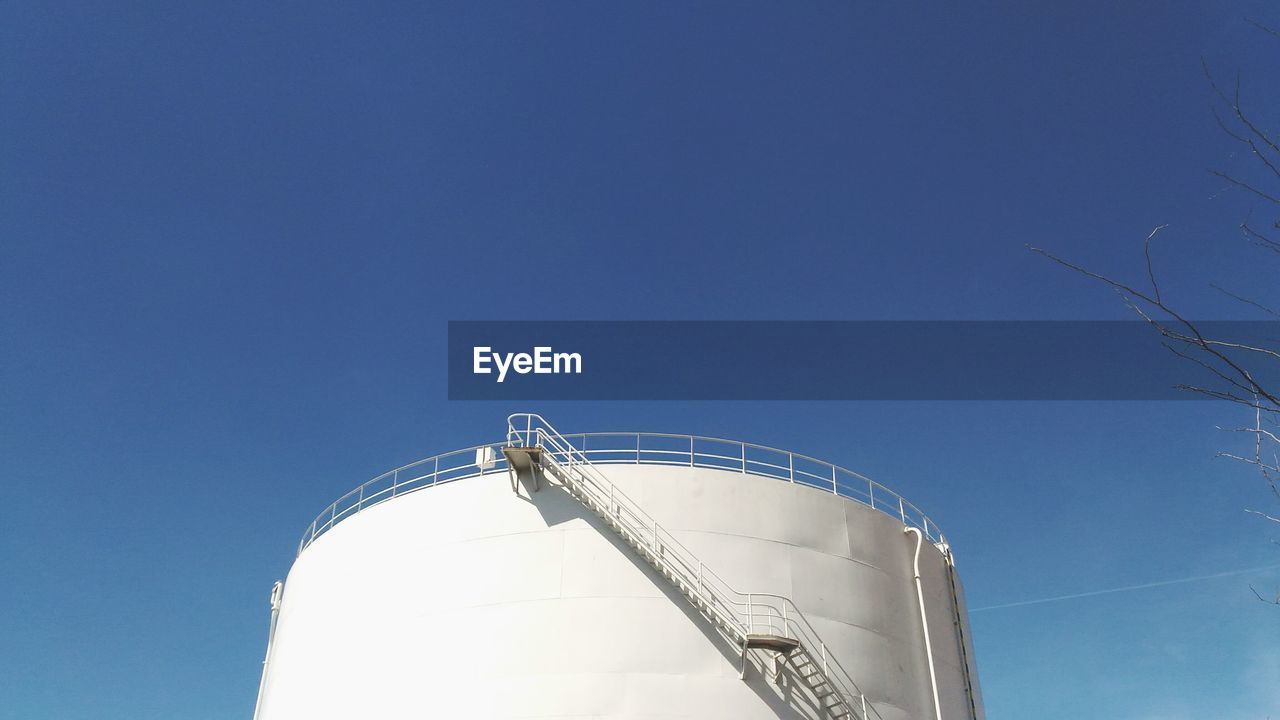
[740, 613]
[605, 448]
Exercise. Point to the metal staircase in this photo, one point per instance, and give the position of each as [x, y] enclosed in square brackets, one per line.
[750, 621]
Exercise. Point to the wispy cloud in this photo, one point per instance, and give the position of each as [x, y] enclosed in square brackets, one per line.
[1127, 588]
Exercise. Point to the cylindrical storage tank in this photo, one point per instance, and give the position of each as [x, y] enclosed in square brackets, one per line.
[453, 589]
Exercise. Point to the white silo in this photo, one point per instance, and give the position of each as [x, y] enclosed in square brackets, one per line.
[620, 575]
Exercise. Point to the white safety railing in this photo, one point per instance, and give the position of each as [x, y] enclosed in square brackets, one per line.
[424, 473]
[606, 448]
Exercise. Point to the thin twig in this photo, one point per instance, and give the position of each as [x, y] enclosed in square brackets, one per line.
[1246, 186]
[1146, 248]
[1244, 300]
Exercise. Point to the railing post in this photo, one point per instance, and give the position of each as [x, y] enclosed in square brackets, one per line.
[902, 511]
[871, 493]
[791, 467]
[435, 474]
[360, 500]
[751, 618]
[690, 451]
[395, 482]
[864, 705]
[700, 580]
[833, 481]
[824, 657]
[744, 457]
[637, 448]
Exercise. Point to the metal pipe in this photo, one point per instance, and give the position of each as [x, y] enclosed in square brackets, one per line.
[924, 622]
[277, 594]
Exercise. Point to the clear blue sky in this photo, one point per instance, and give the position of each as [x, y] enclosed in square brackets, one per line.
[231, 237]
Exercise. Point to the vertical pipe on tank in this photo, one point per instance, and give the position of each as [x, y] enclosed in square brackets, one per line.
[277, 594]
[924, 622]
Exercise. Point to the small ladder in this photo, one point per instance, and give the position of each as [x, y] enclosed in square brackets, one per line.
[958, 620]
[750, 621]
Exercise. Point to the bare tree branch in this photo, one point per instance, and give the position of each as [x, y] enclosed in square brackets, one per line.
[1223, 376]
[1244, 300]
[1239, 368]
[1259, 239]
[1264, 28]
[1194, 337]
[1146, 249]
[1246, 186]
[1264, 515]
[1258, 595]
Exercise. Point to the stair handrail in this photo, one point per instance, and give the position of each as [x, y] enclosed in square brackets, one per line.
[537, 432]
[706, 579]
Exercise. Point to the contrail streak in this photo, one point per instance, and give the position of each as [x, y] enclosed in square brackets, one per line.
[1127, 588]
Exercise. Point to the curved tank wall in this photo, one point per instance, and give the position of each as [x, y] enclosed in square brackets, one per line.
[468, 600]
